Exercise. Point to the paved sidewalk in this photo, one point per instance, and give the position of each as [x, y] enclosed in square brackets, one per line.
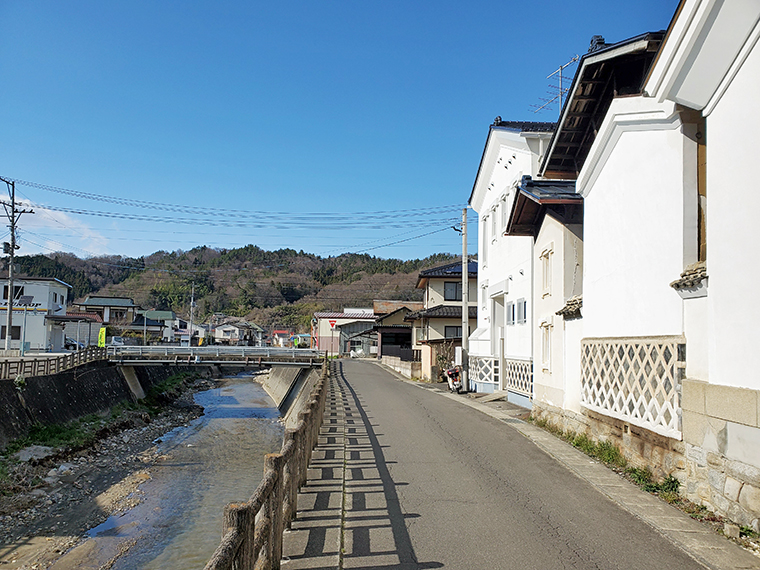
[350, 502]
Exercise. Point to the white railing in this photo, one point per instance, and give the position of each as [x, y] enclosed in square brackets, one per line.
[206, 352]
[637, 380]
[518, 375]
[484, 369]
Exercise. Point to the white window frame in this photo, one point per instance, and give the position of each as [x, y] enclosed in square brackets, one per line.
[546, 346]
[521, 311]
[546, 259]
[494, 229]
[485, 240]
[509, 313]
[504, 214]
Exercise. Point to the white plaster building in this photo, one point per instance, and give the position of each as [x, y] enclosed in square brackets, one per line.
[501, 347]
[40, 323]
[668, 369]
[551, 213]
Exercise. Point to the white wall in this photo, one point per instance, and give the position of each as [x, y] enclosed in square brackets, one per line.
[636, 188]
[509, 155]
[733, 231]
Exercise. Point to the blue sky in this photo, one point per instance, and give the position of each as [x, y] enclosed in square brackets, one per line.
[330, 126]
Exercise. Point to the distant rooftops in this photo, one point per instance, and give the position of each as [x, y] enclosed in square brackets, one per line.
[98, 301]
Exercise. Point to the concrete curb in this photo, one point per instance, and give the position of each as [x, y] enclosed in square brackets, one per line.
[700, 543]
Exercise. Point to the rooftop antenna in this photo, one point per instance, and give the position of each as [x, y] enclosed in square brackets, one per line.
[560, 89]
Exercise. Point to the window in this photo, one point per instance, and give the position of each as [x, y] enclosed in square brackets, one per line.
[546, 270]
[15, 332]
[702, 191]
[546, 346]
[452, 291]
[355, 344]
[510, 310]
[452, 332]
[18, 290]
[504, 219]
[485, 241]
[484, 298]
[494, 232]
[522, 311]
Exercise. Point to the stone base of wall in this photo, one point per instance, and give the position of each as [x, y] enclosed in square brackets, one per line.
[728, 487]
[405, 368]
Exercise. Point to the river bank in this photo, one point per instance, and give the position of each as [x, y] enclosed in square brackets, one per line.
[67, 495]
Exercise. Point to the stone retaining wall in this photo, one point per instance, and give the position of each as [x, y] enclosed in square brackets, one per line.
[72, 394]
[728, 486]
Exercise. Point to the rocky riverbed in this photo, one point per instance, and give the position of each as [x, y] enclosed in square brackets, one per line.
[59, 496]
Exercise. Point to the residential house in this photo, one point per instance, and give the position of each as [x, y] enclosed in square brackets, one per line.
[39, 313]
[437, 328]
[281, 337]
[341, 332]
[146, 328]
[167, 320]
[118, 311]
[238, 333]
[501, 348]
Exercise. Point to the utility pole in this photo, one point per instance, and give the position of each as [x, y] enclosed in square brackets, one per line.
[192, 308]
[465, 306]
[13, 215]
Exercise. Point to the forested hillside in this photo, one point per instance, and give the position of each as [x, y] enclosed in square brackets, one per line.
[272, 288]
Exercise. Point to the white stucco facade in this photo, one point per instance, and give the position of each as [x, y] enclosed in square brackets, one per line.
[505, 267]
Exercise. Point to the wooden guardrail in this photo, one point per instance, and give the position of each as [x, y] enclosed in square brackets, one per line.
[252, 533]
[41, 365]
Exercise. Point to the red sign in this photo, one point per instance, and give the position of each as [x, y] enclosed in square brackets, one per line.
[332, 324]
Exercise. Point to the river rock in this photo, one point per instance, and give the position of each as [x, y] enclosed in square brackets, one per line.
[34, 452]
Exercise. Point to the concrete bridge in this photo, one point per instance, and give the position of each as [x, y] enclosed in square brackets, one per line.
[241, 356]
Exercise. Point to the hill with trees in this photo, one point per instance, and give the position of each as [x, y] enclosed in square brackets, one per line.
[272, 288]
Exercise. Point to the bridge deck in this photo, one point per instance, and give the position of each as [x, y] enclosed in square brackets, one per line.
[214, 355]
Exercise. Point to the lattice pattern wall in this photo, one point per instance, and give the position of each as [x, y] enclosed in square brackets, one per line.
[484, 369]
[637, 380]
[518, 376]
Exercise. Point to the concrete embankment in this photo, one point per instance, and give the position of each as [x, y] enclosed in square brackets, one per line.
[289, 387]
[75, 393]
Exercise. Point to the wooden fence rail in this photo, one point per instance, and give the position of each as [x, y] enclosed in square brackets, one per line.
[252, 533]
[12, 368]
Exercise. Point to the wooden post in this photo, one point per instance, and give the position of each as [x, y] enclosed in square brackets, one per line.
[274, 461]
[237, 516]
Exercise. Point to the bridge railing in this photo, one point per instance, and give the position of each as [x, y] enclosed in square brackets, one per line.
[252, 533]
[205, 352]
[41, 365]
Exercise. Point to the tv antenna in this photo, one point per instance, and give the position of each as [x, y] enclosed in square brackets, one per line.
[560, 89]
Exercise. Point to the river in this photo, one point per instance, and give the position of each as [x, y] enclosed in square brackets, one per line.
[217, 459]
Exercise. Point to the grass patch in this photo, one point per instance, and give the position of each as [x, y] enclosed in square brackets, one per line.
[605, 451]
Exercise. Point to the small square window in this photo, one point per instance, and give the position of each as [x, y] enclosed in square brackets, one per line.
[521, 308]
[509, 309]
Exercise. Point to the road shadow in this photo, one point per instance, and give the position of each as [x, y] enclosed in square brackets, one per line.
[349, 512]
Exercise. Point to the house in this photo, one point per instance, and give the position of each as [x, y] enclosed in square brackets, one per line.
[39, 313]
[281, 337]
[85, 329]
[167, 320]
[119, 311]
[437, 328]
[551, 213]
[656, 131]
[238, 333]
[341, 332]
[501, 347]
[146, 328]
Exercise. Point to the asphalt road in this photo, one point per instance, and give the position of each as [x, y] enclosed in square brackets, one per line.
[467, 491]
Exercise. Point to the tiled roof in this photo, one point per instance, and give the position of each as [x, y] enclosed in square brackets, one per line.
[94, 317]
[94, 301]
[450, 270]
[161, 315]
[356, 316]
[384, 307]
[526, 126]
[443, 312]
[572, 308]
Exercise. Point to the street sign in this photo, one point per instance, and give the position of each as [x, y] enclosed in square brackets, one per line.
[332, 325]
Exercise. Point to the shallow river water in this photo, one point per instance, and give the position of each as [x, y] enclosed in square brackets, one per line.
[217, 459]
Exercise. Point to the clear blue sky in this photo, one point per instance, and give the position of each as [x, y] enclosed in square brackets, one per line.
[279, 110]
